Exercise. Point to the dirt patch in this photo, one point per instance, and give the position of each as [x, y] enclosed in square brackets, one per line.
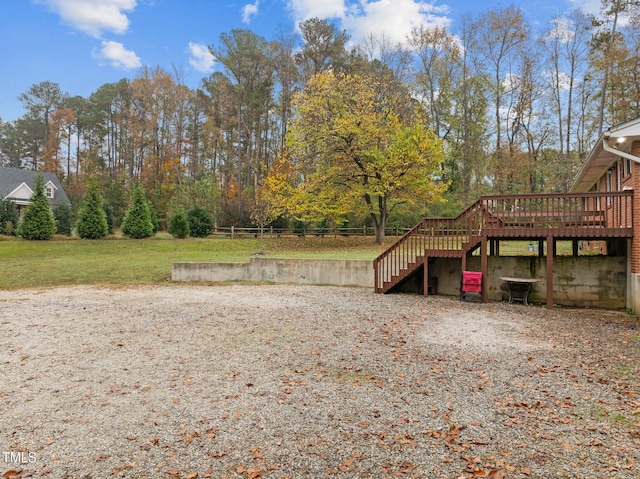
[304, 381]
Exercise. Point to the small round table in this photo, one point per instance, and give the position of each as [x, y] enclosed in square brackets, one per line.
[522, 285]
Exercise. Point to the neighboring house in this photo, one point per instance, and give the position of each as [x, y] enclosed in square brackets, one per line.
[614, 165]
[18, 185]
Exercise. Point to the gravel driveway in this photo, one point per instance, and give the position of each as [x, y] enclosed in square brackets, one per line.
[246, 381]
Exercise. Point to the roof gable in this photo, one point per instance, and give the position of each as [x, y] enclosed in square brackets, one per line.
[22, 192]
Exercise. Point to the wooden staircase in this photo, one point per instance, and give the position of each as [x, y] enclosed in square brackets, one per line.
[431, 238]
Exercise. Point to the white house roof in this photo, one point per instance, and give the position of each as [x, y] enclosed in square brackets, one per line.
[601, 157]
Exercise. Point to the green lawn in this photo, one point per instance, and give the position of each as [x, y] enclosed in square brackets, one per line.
[116, 260]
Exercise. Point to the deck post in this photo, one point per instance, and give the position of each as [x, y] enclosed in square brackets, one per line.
[550, 252]
[575, 250]
[425, 280]
[376, 278]
[540, 248]
[483, 267]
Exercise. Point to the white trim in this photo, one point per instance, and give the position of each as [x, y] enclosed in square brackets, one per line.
[623, 154]
[11, 195]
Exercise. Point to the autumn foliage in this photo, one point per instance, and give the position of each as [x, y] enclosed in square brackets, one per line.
[354, 146]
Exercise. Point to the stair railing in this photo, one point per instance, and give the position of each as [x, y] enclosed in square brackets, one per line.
[438, 236]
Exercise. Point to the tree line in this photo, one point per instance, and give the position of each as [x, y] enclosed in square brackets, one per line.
[510, 111]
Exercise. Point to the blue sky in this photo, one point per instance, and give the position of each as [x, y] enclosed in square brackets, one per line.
[83, 44]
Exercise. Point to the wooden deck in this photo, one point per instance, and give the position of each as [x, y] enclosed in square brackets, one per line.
[588, 216]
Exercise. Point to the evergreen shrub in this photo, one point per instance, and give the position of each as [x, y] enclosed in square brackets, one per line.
[137, 222]
[37, 222]
[179, 226]
[200, 222]
[9, 217]
[92, 220]
[62, 215]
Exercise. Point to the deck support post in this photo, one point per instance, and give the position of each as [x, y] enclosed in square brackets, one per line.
[575, 249]
[483, 267]
[376, 279]
[550, 254]
[425, 281]
[540, 248]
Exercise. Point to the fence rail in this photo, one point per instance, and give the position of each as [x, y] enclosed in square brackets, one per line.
[270, 232]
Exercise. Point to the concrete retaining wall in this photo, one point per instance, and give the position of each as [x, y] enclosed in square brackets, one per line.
[299, 271]
[594, 281]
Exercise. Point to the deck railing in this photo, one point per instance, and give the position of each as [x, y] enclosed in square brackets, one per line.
[563, 213]
[604, 214]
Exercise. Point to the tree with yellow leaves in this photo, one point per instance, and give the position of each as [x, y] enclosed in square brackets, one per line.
[352, 146]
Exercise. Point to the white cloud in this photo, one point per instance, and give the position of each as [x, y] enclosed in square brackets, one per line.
[562, 29]
[511, 82]
[93, 16]
[393, 18]
[201, 58]
[564, 80]
[118, 56]
[306, 9]
[588, 6]
[362, 18]
[249, 10]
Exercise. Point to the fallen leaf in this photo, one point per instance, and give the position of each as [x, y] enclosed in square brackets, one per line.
[254, 473]
[17, 474]
[119, 469]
